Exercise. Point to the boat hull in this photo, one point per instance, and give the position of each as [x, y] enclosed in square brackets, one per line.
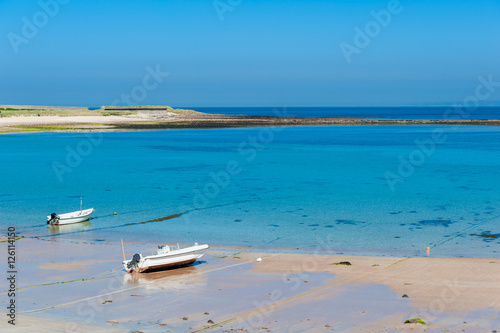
[166, 266]
[173, 259]
[74, 217]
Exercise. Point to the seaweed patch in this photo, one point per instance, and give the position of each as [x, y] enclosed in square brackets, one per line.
[157, 220]
[350, 222]
[345, 263]
[487, 236]
[436, 223]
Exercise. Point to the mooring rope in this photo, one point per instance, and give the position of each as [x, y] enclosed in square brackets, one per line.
[127, 289]
[96, 277]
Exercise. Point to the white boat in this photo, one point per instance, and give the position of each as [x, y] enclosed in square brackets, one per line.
[165, 258]
[69, 218]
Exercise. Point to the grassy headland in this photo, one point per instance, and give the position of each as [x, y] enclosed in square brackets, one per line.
[28, 111]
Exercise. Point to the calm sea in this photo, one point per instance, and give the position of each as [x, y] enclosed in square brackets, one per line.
[385, 190]
[408, 113]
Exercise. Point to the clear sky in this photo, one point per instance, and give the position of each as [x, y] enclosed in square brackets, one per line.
[246, 53]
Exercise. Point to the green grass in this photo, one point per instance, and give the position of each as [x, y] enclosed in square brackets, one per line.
[10, 112]
[115, 113]
[14, 130]
[51, 128]
[415, 321]
[11, 109]
[183, 111]
[46, 128]
[16, 239]
[145, 123]
[346, 263]
[152, 107]
[45, 112]
[63, 113]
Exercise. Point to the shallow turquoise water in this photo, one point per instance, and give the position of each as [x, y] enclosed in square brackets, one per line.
[312, 188]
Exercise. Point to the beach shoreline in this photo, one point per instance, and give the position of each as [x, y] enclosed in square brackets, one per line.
[142, 122]
[75, 285]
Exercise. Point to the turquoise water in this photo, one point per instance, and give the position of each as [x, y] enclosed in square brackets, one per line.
[327, 188]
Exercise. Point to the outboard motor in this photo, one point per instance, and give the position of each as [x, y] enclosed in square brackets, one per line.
[135, 260]
[53, 218]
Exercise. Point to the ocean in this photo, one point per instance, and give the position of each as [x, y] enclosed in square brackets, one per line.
[399, 113]
[368, 190]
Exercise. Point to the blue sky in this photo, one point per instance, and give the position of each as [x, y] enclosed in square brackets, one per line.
[262, 53]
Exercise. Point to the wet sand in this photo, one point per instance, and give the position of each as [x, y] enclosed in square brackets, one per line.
[76, 286]
[198, 120]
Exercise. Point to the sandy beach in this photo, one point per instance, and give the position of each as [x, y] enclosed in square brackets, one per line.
[67, 285]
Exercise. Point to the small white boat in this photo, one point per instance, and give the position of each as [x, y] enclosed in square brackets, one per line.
[69, 218]
[165, 258]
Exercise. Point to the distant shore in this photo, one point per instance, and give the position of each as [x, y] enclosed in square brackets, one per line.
[167, 120]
